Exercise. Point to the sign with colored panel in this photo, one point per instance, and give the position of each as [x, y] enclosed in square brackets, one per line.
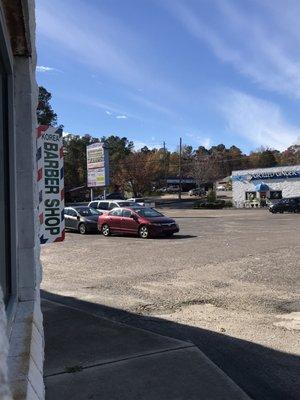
[97, 165]
[267, 175]
[275, 175]
[96, 177]
[50, 179]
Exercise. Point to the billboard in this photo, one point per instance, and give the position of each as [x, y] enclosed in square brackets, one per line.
[97, 165]
[95, 156]
[50, 182]
[96, 177]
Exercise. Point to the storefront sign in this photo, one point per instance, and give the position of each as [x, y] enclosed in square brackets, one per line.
[50, 179]
[97, 165]
[95, 156]
[96, 177]
[267, 175]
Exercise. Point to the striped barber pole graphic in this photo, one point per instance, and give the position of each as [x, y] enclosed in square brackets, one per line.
[50, 182]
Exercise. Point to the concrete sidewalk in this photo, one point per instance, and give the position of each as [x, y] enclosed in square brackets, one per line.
[88, 357]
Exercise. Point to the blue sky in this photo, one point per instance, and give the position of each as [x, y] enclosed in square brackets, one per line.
[209, 71]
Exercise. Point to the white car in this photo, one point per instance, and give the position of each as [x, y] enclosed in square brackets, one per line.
[142, 202]
[196, 192]
[107, 205]
[221, 187]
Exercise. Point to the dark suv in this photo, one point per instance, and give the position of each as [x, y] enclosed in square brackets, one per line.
[291, 204]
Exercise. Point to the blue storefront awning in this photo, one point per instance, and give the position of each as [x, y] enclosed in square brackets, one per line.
[261, 187]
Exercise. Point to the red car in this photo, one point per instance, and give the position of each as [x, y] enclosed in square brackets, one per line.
[142, 221]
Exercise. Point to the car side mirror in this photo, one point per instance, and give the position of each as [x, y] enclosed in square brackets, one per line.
[78, 218]
[134, 217]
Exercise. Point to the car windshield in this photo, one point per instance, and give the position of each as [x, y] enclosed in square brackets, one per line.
[148, 212]
[87, 211]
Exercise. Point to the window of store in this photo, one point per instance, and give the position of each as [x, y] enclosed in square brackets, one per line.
[250, 195]
[275, 194]
[5, 261]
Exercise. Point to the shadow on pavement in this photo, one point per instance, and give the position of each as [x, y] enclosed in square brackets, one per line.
[197, 217]
[263, 373]
[177, 237]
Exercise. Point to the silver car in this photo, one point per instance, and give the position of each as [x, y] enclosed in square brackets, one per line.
[82, 219]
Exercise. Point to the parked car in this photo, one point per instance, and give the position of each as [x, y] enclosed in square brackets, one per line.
[143, 221]
[111, 196]
[221, 187]
[291, 204]
[172, 189]
[81, 218]
[107, 205]
[196, 192]
[142, 202]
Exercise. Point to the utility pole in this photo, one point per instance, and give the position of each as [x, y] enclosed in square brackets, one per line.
[165, 165]
[180, 165]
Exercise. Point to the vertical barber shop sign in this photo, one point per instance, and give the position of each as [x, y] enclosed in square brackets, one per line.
[50, 180]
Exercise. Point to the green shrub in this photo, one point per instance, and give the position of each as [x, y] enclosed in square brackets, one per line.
[200, 204]
[211, 196]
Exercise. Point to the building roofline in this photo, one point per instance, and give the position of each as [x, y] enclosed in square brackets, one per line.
[269, 169]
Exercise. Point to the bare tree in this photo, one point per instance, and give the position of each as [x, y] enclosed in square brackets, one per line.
[135, 173]
[206, 169]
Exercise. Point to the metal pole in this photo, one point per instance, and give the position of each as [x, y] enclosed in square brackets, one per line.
[92, 194]
[104, 193]
[180, 172]
[165, 166]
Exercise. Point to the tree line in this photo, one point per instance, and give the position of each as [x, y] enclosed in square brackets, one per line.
[137, 171]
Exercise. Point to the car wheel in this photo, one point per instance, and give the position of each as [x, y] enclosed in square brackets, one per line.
[105, 230]
[144, 232]
[82, 229]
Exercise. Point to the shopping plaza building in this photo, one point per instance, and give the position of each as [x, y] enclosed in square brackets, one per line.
[259, 186]
[21, 330]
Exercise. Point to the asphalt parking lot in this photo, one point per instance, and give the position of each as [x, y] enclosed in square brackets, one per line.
[228, 282]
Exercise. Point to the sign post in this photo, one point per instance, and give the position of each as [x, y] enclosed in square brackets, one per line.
[50, 180]
[97, 166]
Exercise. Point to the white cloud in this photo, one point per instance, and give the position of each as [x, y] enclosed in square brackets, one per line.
[200, 140]
[251, 42]
[43, 68]
[206, 142]
[260, 122]
[140, 144]
[91, 43]
[153, 105]
[89, 36]
[109, 108]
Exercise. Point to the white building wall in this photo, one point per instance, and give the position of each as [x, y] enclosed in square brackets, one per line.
[5, 393]
[21, 336]
[289, 186]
